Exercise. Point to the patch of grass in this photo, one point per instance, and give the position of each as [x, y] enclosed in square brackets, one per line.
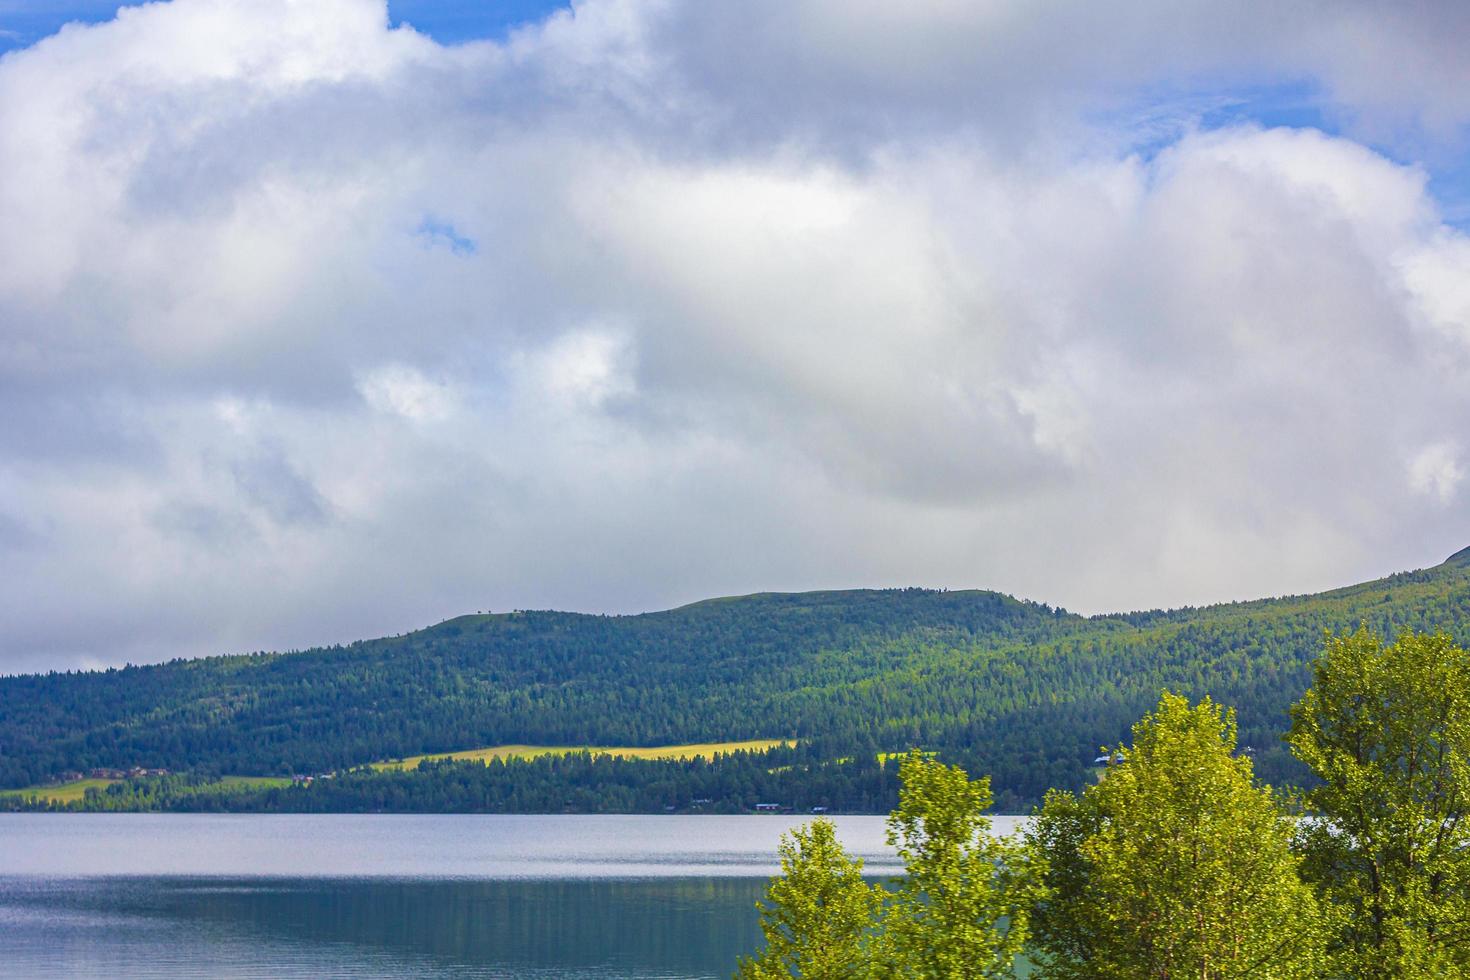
[76, 790]
[252, 782]
[696, 750]
[61, 792]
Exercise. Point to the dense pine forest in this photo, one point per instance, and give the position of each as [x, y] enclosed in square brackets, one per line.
[1019, 690]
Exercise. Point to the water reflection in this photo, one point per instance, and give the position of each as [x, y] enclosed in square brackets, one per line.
[370, 928]
[409, 845]
[239, 897]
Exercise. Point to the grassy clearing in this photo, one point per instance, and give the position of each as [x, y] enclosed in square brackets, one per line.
[697, 750]
[252, 782]
[77, 789]
[61, 792]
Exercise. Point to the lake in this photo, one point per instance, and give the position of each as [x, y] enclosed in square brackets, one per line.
[415, 896]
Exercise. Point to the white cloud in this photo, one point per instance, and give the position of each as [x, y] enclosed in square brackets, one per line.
[1436, 276]
[583, 369]
[1436, 471]
[404, 390]
[313, 329]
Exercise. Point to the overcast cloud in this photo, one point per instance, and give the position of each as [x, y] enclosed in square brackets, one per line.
[313, 330]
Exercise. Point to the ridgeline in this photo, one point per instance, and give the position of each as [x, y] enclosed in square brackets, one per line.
[1018, 690]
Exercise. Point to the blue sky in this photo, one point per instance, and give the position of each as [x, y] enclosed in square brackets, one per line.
[23, 22]
[1298, 105]
[452, 22]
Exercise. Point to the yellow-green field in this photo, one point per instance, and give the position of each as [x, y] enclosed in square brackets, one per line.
[61, 792]
[252, 782]
[75, 790]
[698, 750]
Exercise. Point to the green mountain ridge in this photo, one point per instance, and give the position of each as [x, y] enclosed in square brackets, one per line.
[1017, 689]
[1459, 559]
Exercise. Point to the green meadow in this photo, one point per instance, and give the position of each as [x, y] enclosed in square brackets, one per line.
[693, 750]
[61, 792]
[75, 790]
[252, 782]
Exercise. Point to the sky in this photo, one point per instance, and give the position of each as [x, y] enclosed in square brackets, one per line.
[24, 22]
[331, 319]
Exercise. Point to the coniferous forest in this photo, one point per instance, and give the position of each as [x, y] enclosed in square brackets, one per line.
[1019, 690]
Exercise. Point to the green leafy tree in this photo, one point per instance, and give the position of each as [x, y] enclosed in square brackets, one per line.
[1175, 864]
[1387, 731]
[819, 915]
[962, 908]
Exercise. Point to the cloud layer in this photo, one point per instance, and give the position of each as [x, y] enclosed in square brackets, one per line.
[311, 329]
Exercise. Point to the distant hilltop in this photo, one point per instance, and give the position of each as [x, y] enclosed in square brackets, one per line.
[1023, 691]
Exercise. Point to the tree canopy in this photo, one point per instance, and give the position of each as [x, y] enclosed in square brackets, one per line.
[1178, 863]
[818, 917]
[1385, 728]
[1175, 864]
[959, 911]
[962, 909]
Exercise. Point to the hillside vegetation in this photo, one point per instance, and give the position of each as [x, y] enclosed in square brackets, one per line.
[1016, 689]
[701, 750]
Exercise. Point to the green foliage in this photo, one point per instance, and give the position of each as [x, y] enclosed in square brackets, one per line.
[962, 909]
[959, 912]
[178, 791]
[581, 783]
[1387, 731]
[1017, 690]
[1175, 864]
[819, 915]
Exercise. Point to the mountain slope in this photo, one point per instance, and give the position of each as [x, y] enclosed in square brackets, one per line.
[1016, 689]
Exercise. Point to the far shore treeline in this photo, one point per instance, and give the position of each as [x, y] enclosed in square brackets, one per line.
[1019, 690]
[1177, 863]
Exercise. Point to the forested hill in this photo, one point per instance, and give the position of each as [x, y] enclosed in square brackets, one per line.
[1016, 689]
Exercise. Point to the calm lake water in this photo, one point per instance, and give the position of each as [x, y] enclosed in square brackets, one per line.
[265, 896]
